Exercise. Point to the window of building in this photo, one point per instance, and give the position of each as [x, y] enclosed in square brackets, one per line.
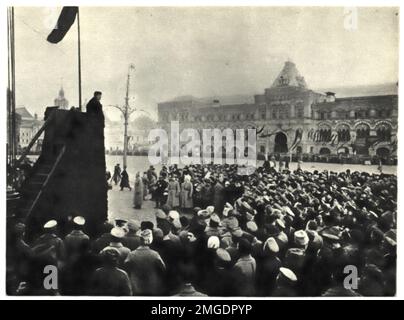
[383, 132]
[324, 134]
[299, 110]
[284, 112]
[344, 133]
[262, 112]
[362, 131]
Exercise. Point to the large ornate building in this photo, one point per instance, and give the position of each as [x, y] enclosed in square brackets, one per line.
[296, 119]
[28, 126]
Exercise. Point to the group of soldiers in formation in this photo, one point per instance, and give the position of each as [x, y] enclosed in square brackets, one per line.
[219, 233]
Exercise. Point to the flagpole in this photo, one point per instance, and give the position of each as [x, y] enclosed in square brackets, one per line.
[13, 141]
[79, 54]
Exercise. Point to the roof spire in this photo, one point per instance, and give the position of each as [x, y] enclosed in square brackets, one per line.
[61, 91]
[289, 76]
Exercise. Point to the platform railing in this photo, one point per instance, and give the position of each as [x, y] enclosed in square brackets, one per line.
[41, 191]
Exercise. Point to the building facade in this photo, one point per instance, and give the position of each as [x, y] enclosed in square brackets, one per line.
[113, 133]
[29, 125]
[293, 119]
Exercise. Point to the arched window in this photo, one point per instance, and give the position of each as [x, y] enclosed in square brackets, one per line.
[324, 151]
[383, 152]
[383, 132]
[362, 131]
[343, 150]
[324, 134]
[344, 133]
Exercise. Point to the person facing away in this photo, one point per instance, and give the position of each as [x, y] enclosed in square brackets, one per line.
[117, 235]
[244, 269]
[94, 106]
[109, 280]
[138, 196]
[187, 190]
[174, 190]
[161, 186]
[49, 247]
[76, 237]
[117, 174]
[146, 268]
[125, 180]
[145, 181]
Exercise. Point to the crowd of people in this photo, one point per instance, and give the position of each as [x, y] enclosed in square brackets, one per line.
[17, 175]
[221, 233]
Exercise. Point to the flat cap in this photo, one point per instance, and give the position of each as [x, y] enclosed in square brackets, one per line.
[252, 226]
[174, 214]
[117, 232]
[50, 224]
[203, 213]
[160, 214]
[287, 274]
[213, 242]
[223, 255]
[79, 220]
[271, 245]
[301, 237]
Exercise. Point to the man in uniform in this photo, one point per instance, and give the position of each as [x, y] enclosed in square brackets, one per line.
[75, 239]
[49, 246]
[161, 186]
[146, 268]
[109, 280]
[117, 235]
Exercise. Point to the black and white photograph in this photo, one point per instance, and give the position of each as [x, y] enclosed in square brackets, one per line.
[201, 151]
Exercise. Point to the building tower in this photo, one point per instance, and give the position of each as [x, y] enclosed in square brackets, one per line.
[61, 101]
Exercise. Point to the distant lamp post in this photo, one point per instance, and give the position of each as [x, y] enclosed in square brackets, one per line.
[127, 112]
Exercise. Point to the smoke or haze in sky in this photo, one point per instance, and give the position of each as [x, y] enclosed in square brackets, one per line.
[199, 51]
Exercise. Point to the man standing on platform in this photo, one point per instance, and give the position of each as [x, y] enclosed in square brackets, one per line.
[94, 106]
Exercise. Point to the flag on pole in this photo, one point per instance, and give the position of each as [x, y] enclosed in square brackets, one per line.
[65, 21]
[334, 139]
[298, 138]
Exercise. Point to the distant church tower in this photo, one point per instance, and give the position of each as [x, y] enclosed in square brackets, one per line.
[61, 101]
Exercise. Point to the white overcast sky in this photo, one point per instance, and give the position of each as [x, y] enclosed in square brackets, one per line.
[199, 51]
